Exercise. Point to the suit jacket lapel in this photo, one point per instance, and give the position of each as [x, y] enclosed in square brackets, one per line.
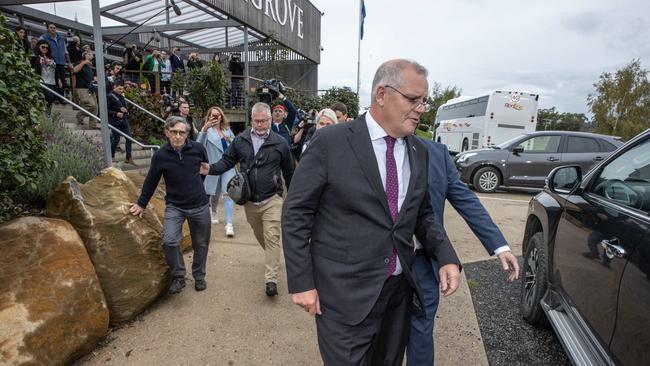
[415, 164]
[361, 145]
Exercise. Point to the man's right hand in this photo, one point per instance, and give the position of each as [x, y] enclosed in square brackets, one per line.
[307, 300]
[119, 114]
[136, 210]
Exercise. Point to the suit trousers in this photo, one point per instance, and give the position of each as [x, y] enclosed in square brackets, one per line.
[420, 350]
[199, 222]
[379, 340]
[265, 222]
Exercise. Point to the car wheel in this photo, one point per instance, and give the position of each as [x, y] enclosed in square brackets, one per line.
[487, 179]
[534, 280]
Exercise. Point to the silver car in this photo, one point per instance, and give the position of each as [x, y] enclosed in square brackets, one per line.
[526, 161]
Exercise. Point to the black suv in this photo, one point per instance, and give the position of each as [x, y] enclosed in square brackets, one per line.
[587, 258]
[526, 160]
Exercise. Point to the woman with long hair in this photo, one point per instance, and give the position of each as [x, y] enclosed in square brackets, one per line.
[45, 67]
[216, 136]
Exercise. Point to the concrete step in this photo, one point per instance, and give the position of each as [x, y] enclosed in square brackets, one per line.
[135, 154]
[142, 163]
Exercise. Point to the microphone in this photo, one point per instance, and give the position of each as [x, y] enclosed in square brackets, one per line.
[177, 10]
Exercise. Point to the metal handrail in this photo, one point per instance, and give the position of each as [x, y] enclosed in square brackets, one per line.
[89, 114]
[144, 110]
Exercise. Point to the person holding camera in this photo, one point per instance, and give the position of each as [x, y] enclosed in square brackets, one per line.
[216, 136]
[264, 158]
[284, 115]
[86, 88]
[118, 117]
[326, 117]
[132, 59]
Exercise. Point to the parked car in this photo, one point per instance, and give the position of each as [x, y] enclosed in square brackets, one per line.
[526, 160]
[586, 252]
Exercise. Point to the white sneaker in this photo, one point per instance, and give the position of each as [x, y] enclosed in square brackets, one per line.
[214, 217]
[230, 230]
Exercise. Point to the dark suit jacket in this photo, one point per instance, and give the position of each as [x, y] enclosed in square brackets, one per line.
[445, 184]
[337, 231]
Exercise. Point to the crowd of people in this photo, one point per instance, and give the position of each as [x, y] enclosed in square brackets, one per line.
[356, 205]
[357, 208]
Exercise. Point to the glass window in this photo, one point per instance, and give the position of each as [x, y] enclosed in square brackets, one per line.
[582, 145]
[470, 108]
[608, 146]
[626, 179]
[541, 144]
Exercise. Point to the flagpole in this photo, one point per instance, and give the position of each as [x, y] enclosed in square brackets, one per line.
[359, 50]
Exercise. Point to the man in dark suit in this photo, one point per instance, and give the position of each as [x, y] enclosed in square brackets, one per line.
[357, 199]
[444, 184]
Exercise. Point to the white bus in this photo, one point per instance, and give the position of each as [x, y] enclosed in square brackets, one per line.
[467, 123]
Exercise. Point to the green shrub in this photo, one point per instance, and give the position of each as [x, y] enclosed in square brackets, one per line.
[22, 158]
[72, 154]
[205, 86]
[142, 125]
[425, 135]
[307, 101]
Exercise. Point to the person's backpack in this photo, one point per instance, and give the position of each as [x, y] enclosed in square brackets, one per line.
[239, 189]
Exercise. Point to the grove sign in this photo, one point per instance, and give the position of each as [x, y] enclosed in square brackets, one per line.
[293, 23]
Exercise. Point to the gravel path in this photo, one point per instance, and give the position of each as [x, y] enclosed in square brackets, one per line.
[508, 339]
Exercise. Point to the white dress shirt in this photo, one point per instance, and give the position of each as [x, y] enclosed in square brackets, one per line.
[377, 135]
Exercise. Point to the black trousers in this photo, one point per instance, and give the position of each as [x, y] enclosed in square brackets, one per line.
[115, 140]
[379, 340]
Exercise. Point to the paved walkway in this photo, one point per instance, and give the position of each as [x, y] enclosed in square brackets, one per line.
[234, 323]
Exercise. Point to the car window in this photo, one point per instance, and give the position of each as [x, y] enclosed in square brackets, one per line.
[582, 145]
[541, 144]
[608, 146]
[626, 179]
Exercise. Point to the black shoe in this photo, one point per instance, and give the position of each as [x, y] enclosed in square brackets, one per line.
[271, 289]
[178, 284]
[199, 285]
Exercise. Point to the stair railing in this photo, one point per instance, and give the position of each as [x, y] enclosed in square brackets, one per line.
[89, 114]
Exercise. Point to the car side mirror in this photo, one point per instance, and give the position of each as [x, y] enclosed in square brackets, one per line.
[564, 179]
[518, 149]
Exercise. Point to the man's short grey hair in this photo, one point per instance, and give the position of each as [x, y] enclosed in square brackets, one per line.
[174, 120]
[390, 73]
[261, 107]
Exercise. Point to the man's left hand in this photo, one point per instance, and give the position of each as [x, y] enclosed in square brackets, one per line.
[205, 168]
[510, 264]
[449, 279]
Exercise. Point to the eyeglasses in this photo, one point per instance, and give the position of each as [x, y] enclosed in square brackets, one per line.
[177, 132]
[45, 47]
[261, 121]
[417, 103]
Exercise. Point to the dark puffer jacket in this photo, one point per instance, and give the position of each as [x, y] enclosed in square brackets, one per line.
[272, 159]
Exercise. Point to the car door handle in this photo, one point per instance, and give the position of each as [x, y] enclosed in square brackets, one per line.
[553, 158]
[598, 158]
[612, 249]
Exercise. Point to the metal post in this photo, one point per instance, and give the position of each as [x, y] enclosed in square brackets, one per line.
[167, 6]
[246, 81]
[101, 82]
[359, 53]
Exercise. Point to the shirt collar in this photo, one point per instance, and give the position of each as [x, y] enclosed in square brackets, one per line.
[262, 136]
[375, 130]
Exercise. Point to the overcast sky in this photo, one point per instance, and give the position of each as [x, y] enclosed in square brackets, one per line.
[557, 48]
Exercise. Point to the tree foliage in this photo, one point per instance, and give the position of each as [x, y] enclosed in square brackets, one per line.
[206, 86]
[551, 119]
[438, 97]
[308, 101]
[621, 103]
[21, 104]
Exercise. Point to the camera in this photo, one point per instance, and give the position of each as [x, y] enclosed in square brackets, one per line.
[270, 90]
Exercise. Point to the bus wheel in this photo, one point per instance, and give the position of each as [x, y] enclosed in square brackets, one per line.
[487, 180]
[465, 145]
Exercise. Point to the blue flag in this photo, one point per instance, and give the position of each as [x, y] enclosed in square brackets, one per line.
[363, 16]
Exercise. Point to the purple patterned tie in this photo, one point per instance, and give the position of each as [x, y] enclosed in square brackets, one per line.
[392, 193]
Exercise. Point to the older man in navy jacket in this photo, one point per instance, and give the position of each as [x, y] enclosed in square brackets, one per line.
[444, 184]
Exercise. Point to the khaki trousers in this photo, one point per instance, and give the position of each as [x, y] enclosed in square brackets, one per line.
[265, 222]
[89, 103]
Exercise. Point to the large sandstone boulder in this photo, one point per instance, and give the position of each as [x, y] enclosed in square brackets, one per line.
[157, 203]
[52, 308]
[125, 249]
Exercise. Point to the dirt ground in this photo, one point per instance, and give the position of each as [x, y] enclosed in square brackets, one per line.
[233, 322]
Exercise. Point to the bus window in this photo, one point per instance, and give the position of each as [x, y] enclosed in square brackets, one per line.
[473, 108]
